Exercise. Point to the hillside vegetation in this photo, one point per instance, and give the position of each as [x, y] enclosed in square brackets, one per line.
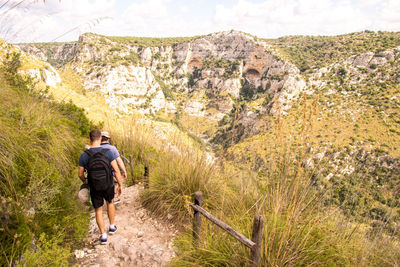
[300, 228]
[50, 51]
[40, 142]
[310, 52]
[150, 41]
[350, 115]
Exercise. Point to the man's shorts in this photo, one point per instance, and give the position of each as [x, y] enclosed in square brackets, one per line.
[99, 196]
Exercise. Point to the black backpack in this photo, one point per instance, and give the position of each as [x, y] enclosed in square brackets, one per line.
[99, 170]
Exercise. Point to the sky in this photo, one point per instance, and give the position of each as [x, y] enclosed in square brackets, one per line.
[65, 20]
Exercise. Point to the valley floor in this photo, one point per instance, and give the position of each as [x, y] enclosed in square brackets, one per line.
[141, 239]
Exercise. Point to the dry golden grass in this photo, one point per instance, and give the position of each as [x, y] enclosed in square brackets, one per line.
[93, 102]
[342, 125]
[198, 125]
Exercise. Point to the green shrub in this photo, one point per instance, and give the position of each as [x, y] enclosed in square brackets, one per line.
[150, 41]
[132, 58]
[165, 88]
[248, 91]
[115, 49]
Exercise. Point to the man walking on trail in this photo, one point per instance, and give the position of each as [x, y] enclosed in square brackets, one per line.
[105, 142]
[99, 162]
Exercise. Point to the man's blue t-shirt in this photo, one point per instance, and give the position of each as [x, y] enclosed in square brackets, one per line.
[84, 158]
[111, 147]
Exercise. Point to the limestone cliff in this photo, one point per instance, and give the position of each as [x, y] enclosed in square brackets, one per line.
[202, 77]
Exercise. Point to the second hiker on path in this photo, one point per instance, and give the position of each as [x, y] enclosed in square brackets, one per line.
[105, 143]
[100, 162]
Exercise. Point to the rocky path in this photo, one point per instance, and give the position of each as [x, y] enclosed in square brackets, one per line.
[141, 239]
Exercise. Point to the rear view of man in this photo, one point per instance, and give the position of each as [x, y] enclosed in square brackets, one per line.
[99, 162]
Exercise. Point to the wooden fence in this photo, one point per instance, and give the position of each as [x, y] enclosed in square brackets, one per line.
[256, 239]
[129, 162]
[258, 224]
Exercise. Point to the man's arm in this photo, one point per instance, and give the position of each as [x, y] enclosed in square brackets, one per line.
[81, 174]
[117, 174]
[122, 166]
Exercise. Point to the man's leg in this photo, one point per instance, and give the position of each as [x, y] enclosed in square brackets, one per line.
[99, 219]
[111, 209]
[116, 186]
[98, 202]
[110, 212]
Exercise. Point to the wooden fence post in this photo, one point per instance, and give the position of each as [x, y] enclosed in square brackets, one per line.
[146, 177]
[198, 200]
[131, 166]
[123, 157]
[256, 237]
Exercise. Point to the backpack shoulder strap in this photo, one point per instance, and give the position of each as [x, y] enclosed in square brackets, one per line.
[89, 152]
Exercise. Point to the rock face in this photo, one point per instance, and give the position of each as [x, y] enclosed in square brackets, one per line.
[130, 86]
[51, 76]
[371, 60]
[221, 67]
[357, 68]
[204, 77]
[36, 69]
[56, 54]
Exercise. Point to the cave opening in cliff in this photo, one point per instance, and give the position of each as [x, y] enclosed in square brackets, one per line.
[195, 63]
[253, 74]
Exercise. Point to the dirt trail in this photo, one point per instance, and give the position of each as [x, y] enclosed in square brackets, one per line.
[141, 239]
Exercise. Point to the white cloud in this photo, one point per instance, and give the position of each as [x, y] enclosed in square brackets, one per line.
[184, 9]
[152, 9]
[389, 16]
[154, 18]
[324, 17]
[275, 18]
[38, 21]
[65, 20]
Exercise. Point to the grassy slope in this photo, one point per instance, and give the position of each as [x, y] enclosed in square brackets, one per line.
[40, 142]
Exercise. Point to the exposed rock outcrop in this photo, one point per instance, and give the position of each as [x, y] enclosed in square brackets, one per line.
[224, 67]
[56, 54]
[34, 68]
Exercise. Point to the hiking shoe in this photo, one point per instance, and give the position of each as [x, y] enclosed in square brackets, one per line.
[117, 201]
[103, 240]
[112, 230]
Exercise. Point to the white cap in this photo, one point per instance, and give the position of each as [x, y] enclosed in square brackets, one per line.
[105, 134]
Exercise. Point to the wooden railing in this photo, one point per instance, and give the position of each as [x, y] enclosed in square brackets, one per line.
[256, 239]
[258, 224]
[129, 161]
